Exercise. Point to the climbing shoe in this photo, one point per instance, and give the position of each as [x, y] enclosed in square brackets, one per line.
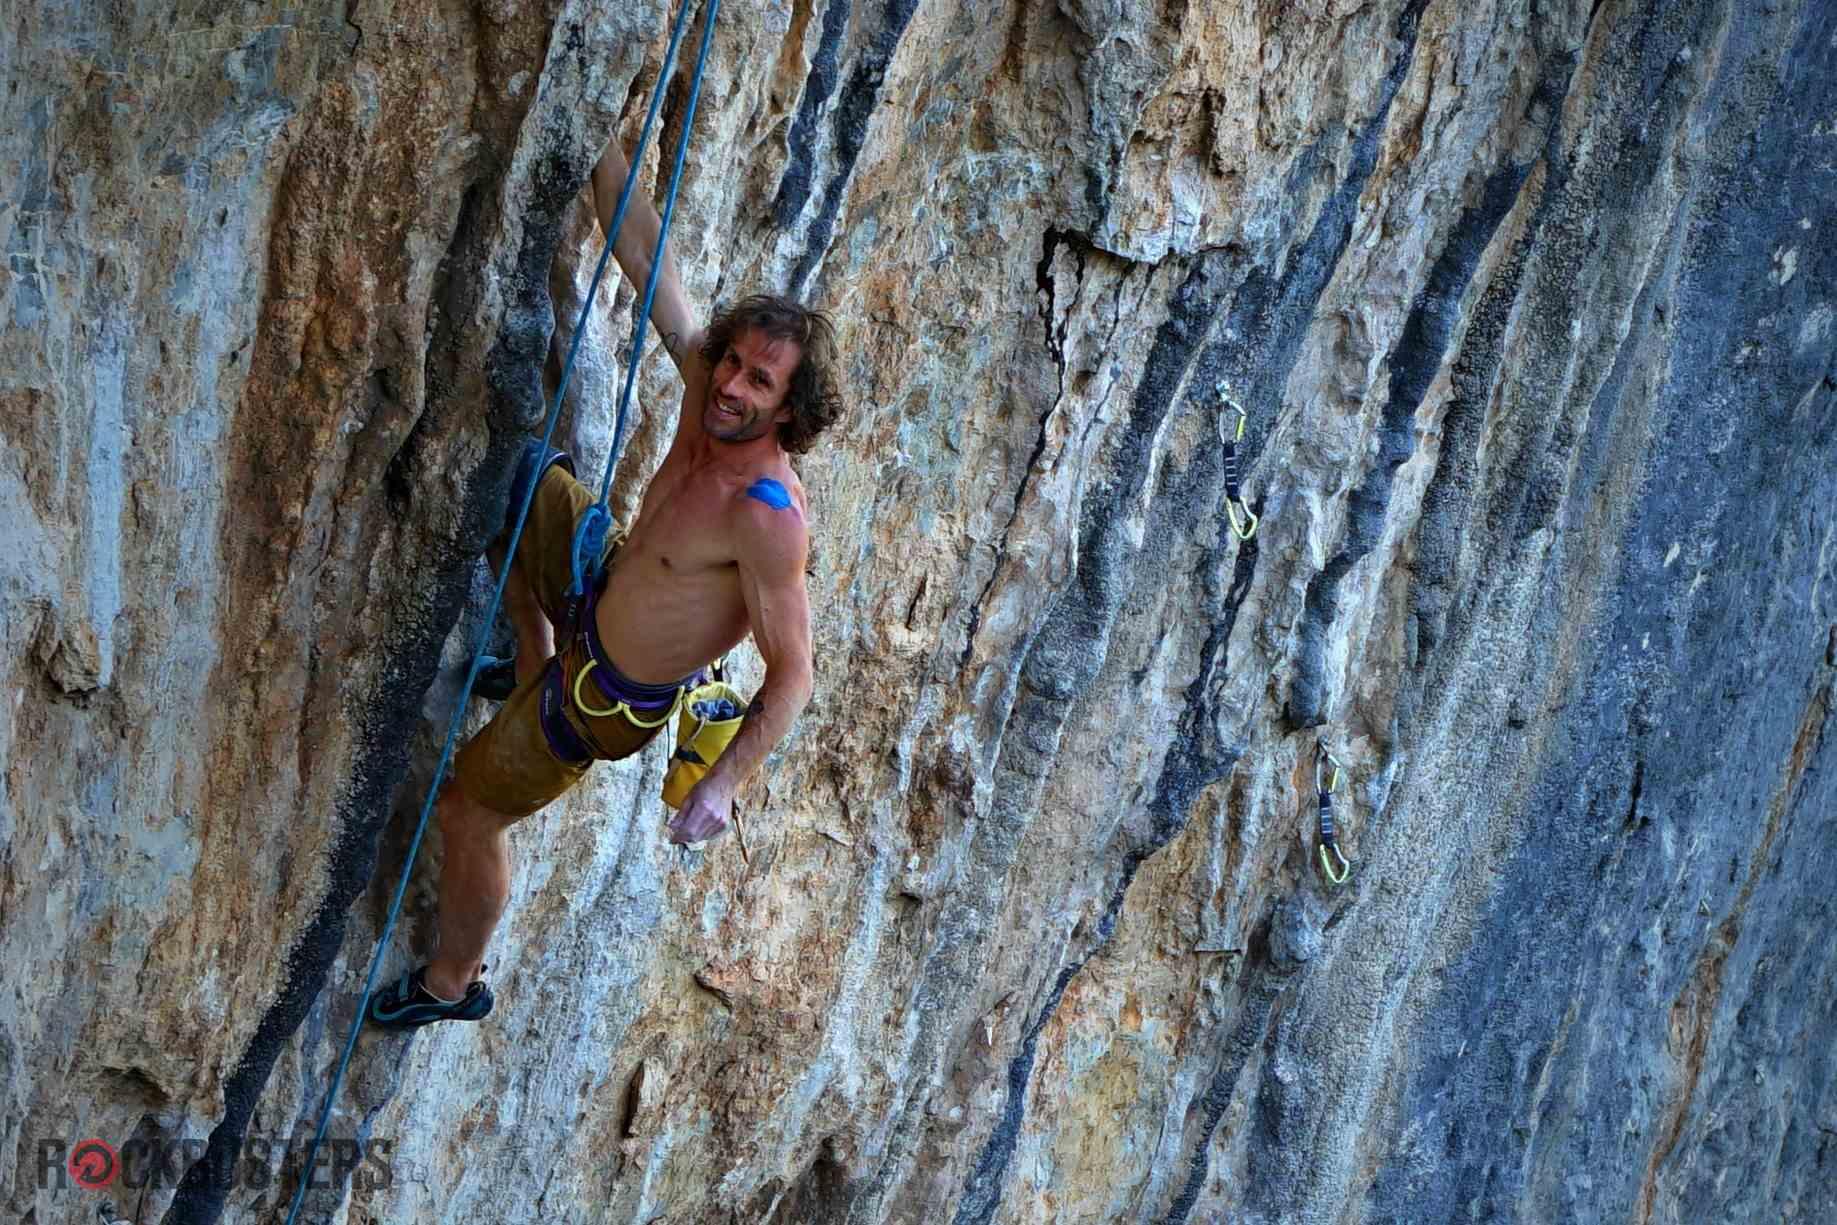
[408, 1004]
[496, 680]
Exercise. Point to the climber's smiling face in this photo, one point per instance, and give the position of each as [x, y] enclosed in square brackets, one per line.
[746, 392]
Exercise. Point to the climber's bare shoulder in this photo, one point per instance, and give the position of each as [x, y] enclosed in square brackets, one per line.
[769, 532]
[769, 515]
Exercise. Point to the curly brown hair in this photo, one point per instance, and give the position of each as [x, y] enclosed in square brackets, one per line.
[815, 393]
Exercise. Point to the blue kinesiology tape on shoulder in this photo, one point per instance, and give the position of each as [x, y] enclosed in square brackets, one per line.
[770, 492]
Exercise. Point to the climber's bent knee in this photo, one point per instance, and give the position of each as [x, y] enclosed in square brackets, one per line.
[461, 816]
[510, 767]
[544, 554]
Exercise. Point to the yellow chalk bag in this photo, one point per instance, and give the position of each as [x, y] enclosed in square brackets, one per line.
[700, 742]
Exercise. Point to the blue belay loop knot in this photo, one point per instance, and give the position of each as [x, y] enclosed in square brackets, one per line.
[589, 548]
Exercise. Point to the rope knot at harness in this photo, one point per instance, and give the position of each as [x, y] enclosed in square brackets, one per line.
[588, 548]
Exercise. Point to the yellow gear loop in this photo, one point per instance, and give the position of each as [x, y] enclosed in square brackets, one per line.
[1327, 779]
[1246, 527]
[580, 703]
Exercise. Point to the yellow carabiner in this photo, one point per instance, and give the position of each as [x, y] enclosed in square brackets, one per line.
[1328, 784]
[675, 705]
[618, 707]
[1345, 866]
[1231, 437]
[580, 703]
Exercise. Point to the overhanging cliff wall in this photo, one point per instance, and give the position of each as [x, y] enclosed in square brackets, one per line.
[1532, 305]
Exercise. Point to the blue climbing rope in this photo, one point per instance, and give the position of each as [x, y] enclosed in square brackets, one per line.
[590, 533]
[516, 535]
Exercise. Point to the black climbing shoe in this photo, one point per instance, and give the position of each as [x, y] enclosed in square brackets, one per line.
[496, 680]
[408, 1004]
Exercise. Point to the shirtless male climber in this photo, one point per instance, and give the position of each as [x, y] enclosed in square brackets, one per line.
[718, 550]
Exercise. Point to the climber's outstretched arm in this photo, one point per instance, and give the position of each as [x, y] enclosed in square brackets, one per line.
[773, 548]
[675, 322]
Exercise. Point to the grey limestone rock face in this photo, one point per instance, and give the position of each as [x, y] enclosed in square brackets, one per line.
[1531, 306]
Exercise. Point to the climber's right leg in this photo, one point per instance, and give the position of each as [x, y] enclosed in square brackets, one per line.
[540, 574]
[474, 889]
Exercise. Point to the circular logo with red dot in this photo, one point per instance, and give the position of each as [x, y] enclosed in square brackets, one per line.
[93, 1164]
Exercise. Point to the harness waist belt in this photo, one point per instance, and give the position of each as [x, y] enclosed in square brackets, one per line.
[616, 687]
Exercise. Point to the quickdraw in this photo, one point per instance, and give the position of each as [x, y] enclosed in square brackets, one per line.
[1245, 528]
[1327, 778]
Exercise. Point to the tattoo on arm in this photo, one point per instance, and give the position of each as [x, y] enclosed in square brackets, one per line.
[671, 342]
[757, 708]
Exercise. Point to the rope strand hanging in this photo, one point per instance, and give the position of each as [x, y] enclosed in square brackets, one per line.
[516, 534]
[590, 533]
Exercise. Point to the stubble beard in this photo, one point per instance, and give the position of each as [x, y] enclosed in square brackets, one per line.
[732, 430]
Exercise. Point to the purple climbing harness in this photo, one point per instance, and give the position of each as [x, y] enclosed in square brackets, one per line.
[613, 685]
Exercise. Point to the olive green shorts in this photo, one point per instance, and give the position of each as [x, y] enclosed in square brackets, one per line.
[510, 766]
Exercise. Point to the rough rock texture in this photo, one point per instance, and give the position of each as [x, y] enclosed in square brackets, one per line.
[1532, 304]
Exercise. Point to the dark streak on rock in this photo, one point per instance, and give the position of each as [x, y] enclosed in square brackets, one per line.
[1048, 292]
[380, 764]
[852, 112]
[1007, 530]
[982, 1193]
[1243, 569]
[1421, 349]
[800, 169]
[1633, 818]
[1263, 987]
[1055, 342]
